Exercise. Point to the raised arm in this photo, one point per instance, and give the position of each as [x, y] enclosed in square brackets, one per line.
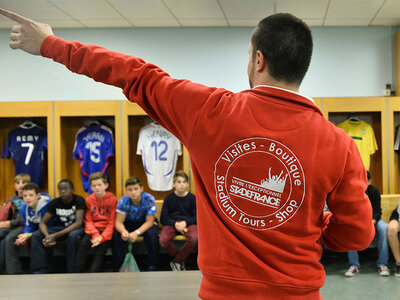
[173, 103]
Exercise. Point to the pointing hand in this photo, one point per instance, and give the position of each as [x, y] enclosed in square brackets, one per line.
[28, 35]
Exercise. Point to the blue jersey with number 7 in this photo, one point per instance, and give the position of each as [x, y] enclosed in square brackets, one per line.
[94, 146]
[27, 146]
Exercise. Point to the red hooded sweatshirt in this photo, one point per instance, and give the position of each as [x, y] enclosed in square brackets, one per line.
[100, 216]
[264, 161]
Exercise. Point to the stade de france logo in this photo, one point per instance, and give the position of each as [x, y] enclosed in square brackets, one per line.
[274, 183]
[259, 183]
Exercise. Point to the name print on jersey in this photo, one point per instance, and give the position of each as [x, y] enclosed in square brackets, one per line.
[259, 183]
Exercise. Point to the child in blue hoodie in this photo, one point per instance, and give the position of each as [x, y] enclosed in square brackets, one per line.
[32, 211]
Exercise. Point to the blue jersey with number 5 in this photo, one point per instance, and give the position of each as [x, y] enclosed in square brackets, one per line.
[159, 150]
[94, 146]
[27, 146]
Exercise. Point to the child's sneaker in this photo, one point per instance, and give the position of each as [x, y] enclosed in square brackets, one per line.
[383, 271]
[397, 270]
[175, 266]
[352, 271]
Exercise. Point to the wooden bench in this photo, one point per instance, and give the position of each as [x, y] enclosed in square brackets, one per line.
[139, 247]
[388, 203]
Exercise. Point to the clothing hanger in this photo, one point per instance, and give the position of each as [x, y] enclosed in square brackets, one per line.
[353, 117]
[27, 124]
[93, 122]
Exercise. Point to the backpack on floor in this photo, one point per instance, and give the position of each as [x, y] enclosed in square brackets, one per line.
[129, 264]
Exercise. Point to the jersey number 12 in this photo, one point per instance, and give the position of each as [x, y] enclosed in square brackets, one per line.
[163, 148]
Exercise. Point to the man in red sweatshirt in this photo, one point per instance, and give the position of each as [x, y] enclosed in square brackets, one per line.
[274, 159]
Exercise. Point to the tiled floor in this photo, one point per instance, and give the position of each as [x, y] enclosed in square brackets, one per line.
[365, 285]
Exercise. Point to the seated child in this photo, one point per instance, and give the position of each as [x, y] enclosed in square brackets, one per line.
[99, 223]
[178, 216]
[135, 216]
[381, 230]
[32, 211]
[10, 229]
[68, 211]
[393, 237]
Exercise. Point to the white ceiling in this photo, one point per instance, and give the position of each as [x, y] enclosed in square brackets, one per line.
[201, 13]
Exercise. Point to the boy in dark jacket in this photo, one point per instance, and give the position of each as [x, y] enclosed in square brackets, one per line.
[393, 237]
[178, 215]
[381, 229]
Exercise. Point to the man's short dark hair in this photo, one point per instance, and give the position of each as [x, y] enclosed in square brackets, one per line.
[368, 175]
[31, 187]
[132, 181]
[286, 43]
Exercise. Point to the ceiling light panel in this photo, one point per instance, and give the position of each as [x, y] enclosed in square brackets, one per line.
[312, 9]
[250, 9]
[196, 9]
[391, 9]
[357, 9]
[87, 9]
[132, 9]
[33, 9]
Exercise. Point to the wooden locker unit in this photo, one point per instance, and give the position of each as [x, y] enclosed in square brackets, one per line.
[318, 102]
[394, 159]
[372, 110]
[397, 61]
[69, 117]
[13, 114]
[133, 119]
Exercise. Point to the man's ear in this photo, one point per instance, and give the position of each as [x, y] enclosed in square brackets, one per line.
[261, 62]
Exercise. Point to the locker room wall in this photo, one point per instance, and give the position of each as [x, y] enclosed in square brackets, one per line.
[361, 66]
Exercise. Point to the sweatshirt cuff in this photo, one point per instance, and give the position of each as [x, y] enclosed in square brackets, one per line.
[95, 235]
[47, 45]
[105, 238]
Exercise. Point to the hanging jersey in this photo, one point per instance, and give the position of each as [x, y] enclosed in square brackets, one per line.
[27, 147]
[94, 145]
[397, 141]
[159, 150]
[363, 135]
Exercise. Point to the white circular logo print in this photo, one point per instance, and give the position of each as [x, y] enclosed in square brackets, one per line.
[259, 183]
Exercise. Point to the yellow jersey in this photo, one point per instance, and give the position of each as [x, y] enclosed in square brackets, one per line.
[363, 134]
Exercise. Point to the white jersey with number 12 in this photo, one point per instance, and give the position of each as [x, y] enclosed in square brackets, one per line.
[159, 150]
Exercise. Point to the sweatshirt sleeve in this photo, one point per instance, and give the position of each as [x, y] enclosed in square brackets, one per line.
[165, 218]
[174, 104]
[376, 204]
[192, 220]
[109, 230]
[349, 225]
[18, 221]
[90, 228]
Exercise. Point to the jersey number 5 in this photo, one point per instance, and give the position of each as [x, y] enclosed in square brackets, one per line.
[94, 148]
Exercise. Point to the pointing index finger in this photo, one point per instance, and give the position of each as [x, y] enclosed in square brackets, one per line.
[13, 16]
